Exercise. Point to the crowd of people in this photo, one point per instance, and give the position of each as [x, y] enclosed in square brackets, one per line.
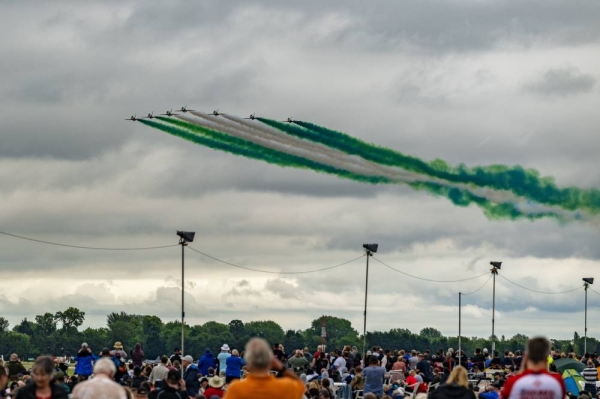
[263, 371]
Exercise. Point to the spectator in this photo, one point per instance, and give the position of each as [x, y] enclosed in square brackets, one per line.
[590, 375]
[102, 385]
[307, 355]
[298, 363]
[59, 376]
[456, 387]
[190, 376]
[374, 376]
[159, 373]
[215, 387]
[234, 364]
[14, 366]
[535, 381]
[260, 384]
[85, 359]
[43, 374]
[137, 355]
[491, 391]
[222, 357]
[206, 361]
[175, 357]
[173, 387]
[3, 380]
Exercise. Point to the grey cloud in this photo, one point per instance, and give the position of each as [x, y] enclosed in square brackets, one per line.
[562, 82]
[282, 288]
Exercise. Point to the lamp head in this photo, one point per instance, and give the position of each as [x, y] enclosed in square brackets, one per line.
[497, 265]
[186, 236]
[589, 280]
[371, 247]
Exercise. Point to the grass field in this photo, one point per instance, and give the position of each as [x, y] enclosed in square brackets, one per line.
[28, 365]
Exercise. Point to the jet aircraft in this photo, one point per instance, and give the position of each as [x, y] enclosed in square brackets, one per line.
[251, 117]
[169, 113]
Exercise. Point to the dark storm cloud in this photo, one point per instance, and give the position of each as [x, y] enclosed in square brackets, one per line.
[562, 82]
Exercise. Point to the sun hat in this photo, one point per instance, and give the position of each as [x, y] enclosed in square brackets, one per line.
[118, 345]
[216, 382]
[225, 347]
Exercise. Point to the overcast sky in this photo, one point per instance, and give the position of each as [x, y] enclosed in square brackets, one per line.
[471, 81]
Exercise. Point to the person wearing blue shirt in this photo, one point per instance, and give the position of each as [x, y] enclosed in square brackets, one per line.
[206, 361]
[493, 393]
[222, 358]
[374, 376]
[234, 367]
[85, 361]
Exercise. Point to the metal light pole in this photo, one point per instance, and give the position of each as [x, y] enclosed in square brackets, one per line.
[586, 283]
[370, 249]
[184, 238]
[459, 327]
[495, 267]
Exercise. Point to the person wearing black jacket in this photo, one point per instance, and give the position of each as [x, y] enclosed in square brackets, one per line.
[42, 386]
[424, 368]
[456, 387]
[173, 388]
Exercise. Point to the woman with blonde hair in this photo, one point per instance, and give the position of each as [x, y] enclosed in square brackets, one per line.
[456, 387]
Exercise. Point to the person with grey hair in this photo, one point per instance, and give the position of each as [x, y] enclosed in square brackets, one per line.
[85, 361]
[102, 385]
[298, 363]
[260, 383]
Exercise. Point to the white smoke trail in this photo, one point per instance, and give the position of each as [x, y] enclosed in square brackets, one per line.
[272, 138]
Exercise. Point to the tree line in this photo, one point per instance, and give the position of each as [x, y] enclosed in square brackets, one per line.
[59, 334]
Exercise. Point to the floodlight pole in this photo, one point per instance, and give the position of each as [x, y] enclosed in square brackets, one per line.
[369, 249]
[183, 245]
[369, 254]
[585, 339]
[494, 271]
[459, 327]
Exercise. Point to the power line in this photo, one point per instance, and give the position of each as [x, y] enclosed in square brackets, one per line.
[539, 292]
[269, 271]
[593, 290]
[428, 279]
[478, 289]
[84, 247]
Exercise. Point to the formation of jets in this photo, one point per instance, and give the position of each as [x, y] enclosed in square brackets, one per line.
[186, 109]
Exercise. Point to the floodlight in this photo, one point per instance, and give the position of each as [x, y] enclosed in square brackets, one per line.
[186, 236]
[371, 247]
[589, 280]
[497, 265]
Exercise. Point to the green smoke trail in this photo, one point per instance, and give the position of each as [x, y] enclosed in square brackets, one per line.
[222, 141]
[526, 183]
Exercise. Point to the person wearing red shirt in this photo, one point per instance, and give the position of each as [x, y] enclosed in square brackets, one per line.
[215, 387]
[534, 381]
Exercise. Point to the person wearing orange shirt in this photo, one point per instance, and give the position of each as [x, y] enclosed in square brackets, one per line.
[260, 383]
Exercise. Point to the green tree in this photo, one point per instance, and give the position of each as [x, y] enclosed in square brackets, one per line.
[293, 340]
[268, 330]
[339, 331]
[72, 317]
[431, 333]
[96, 338]
[3, 325]
[25, 327]
[46, 323]
[153, 345]
[15, 342]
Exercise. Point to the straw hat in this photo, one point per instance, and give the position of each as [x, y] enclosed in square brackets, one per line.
[118, 345]
[216, 382]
